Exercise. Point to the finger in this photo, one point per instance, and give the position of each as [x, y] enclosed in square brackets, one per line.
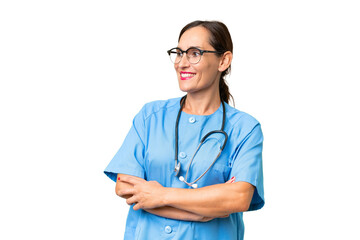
[131, 200]
[206, 219]
[231, 180]
[127, 191]
[131, 180]
[136, 206]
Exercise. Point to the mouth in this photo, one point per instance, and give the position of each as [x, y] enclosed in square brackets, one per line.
[186, 75]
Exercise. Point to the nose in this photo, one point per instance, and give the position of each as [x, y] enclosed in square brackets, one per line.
[184, 62]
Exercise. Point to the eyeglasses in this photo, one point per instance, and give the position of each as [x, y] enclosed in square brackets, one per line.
[193, 54]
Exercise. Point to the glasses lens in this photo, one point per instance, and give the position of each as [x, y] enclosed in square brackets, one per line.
[193, 55]
[175, 55]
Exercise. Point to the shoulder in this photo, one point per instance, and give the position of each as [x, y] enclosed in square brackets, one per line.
[239, 119]
[158, 106]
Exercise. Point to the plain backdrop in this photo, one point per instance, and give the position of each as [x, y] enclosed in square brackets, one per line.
[74, 73]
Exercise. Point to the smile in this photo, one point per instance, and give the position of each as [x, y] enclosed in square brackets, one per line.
[186, 75]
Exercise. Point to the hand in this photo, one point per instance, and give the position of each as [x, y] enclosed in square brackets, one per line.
[145, 194]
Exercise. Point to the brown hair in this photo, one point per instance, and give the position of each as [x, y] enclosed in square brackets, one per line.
[220, 40]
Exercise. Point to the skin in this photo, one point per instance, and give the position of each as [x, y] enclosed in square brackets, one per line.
[203, 98]
[166, 211]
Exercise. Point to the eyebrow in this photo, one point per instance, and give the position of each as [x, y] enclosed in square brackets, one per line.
[191, 47]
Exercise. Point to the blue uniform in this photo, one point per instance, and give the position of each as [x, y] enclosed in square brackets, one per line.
[148, 152]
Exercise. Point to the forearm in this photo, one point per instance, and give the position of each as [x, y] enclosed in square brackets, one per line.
[212, 201]
[178, 214]
[166, 211]
[174, 213]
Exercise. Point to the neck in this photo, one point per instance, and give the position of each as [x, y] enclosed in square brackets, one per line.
[202, 105]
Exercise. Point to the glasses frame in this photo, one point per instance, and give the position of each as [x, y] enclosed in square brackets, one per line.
[186, 51]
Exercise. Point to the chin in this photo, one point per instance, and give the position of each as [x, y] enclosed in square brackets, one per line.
[185, 87]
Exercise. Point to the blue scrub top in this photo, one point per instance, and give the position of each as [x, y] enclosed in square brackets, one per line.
[148, 152]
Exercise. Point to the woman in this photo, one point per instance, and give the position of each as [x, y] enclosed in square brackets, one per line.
[182, 185]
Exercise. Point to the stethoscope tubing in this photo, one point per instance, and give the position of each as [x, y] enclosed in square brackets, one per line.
[177, 163]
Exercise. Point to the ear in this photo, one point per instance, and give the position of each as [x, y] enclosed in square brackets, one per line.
[225, 61]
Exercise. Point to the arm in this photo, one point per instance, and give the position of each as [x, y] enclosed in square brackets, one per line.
[166, 211]
[178, 214]
[211, 201]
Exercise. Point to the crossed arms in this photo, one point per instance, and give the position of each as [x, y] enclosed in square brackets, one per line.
[202, 204]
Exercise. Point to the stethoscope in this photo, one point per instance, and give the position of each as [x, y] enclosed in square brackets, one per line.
[177, 163]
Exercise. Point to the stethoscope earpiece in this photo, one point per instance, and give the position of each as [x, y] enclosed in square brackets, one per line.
[182, 179]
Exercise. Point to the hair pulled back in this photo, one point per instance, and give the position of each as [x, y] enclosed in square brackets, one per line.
[220, 40]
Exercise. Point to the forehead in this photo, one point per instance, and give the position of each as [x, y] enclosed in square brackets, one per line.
[195, 37]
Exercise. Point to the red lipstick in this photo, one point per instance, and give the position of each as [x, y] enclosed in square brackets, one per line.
[186, 75]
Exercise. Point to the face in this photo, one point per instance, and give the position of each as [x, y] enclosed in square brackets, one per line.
[203, 76]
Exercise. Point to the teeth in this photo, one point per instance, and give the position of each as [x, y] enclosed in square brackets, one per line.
[185, 75]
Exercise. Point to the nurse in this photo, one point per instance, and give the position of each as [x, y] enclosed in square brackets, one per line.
[179, 184]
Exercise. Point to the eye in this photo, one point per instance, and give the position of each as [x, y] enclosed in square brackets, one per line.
[194, 53]
[178, 52]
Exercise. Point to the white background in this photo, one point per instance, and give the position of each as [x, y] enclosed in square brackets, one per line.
[74, 73]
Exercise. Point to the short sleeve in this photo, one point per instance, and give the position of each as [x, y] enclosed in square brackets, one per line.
[130, 157]
[247, 165]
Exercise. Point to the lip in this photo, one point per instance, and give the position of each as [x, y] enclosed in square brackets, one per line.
[186, 75]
